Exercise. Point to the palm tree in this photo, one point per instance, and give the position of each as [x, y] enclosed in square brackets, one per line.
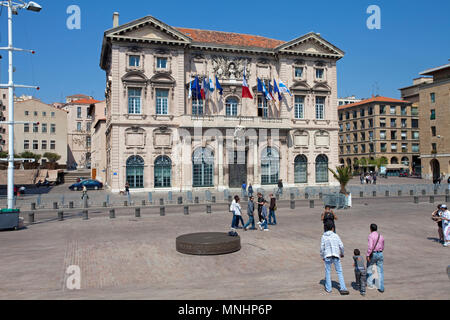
[343, 175]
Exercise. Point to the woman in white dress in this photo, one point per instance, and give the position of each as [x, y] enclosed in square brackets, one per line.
[445, 217]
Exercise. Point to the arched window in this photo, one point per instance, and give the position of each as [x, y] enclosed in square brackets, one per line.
[135, 172]
[270, 166]
[203, 168]
[163, 172]
[322, 168]
[231, 106]
[394, 160]
[301, 169]
[405, 161]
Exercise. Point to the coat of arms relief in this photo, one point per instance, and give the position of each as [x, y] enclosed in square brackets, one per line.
[228, 68]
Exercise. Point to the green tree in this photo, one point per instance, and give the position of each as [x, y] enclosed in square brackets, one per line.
[343, 175]
[30, 155]
[52, 157]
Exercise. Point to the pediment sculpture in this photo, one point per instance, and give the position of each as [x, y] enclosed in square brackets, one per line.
[228, 68]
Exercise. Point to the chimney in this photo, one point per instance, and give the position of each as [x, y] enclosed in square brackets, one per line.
[115, 19]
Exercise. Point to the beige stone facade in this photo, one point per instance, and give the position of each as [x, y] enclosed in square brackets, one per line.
[380, 127]
[98, 134]
[47, 134]
[158, 138]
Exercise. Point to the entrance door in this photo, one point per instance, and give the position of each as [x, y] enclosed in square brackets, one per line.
[238, 169]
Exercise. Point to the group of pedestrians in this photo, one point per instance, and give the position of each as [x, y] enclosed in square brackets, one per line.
[266, 213]
[247, 190]
[332, 251]
[368, 178]
[442, 217]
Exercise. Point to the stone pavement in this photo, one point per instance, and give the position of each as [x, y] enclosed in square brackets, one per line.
[131, 258]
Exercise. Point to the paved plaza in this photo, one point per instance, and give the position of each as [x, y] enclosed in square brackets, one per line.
[135, 258]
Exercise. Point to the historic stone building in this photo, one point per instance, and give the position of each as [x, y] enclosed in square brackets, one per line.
[159, 137]
[380, 127]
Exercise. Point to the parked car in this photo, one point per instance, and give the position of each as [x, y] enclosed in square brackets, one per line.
[90, 185]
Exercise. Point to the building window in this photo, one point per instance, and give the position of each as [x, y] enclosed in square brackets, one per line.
[383, 147]
[52, 114]
[270, 166]
[135, 172]
[301, 169]
[404, 135]
[371, 148]
[163, 172]
[53, 145]
[341, 128]
[347, 115]
[320, 108]
[134, 100]
[415, 148]
[355, 149]
[53, 128]
[382, 109]
[35, 128]
[203, 168]
[363, 136]
[370, 111]
[35, 145]
[355, 137]
[404, 147]
[88, 126]
[27, 113]
[383, 122]
[433, 97]
[393, 147]
[371, 135]
[44, 114]
[363, 112]
[404, 125]
[162, 101]
[44, 144]
[348, 149]
[197, 107]
[416, 135]
[88, 142]
[79, 126]
[414, 111]
[319, 73]
[405, 161]
[363, 148]
[434, 148]
[393, 123]
[79, 116]
[26, 144]
[433, 115]
[393, 109]
[403, 111]
[341, 117]
[370, 123]
[298, 73]
[35, 113]
[355, 125]
[44, 128]
[433, 131]
[363, 124]
[355, 114]
[382, 135]
[347, 138]
[263, 110]
[161, 63]
[134, 61]
[347, 126]
[26, 127]
[322, 169]
[231, 106]
[393, 135]
[415, 123]
[299, 107]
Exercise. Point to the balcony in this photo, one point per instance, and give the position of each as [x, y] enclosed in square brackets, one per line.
[221, 121]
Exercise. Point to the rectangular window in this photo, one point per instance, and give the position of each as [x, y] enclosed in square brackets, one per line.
[403, 111]
[363, 148]
[363, 112]
[79, 113]
[26, 144]
[371, 135]
[370, 123]
[44, 144]
[347, 126]
[88, 142]
[383, 122]
[382, 135]
[416, 135]
[434, 148]
[415, 123]
[363, 124]
[393, 123]
[298, 72]
[393, 109]
[347, 138]
[404, 147]
[404, 135]
[53, 145]
[433, 97]
[162, 101]
[79, 126]
[263, 110]
[52, 114]
[299, 107]
[433, 115]
[382, 109]
[35, 128]
[26, 127]
[27, 113]
[319, 73]
[35, 145]
[370, 111]
[433, 131]
[197, 107]
[363, 136]
[404, 125]
[355, 137]
[355, 149]
[44, 128]
[371, 148]
[44, 114]
[414, 111]
[134, 100]
[161, 63]
[341, 128]
[88, 126]
[383, 147]
[393, 135]
[134, 61]
[348, 149]
[355, 114]
[415, 148]
[393, 147]
[35, 114]
[320, 108]
[53, 128]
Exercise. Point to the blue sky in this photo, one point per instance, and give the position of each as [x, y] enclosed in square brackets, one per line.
[414, 37]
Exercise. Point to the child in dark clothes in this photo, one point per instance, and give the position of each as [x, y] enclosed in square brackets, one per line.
[360, 271]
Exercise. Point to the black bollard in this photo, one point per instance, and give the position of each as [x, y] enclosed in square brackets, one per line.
[411, 192]
[137, 212]
[292, 196]
[435, 191]
[361, 194]
[33, 206]
[431, 199]
[311, 204]
[213, 199]
[424, 193]
[61, 216]
[306, 196]
[416, 200]
[180, 200]
[71, 205]
[387, 193]
[55, 205]
[162, 211]
[161, 202]
[125, 203]
[196, 200]
[374, 193]
[399, 193]
[31, 218]
[208, 209]
[230, 199]
[186, 210]
[320, 195]
[112, 214]
[85, 215]
[292, 204]
[105, 205]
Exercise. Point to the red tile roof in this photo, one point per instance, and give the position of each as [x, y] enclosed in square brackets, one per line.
[85, 101]
[230, 38]
[371, 100]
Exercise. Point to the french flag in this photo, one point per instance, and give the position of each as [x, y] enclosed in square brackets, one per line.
[245, 89]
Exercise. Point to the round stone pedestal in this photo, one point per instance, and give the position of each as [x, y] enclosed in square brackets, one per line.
[208, 244]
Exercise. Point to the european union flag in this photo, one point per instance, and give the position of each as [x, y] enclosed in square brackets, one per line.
[219, 87]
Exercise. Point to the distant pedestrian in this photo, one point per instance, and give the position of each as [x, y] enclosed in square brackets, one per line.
[85, 193]
[367, 179]
[331, 251]
[250, 190]
[445, 217]
[375, 178]
[375, 258]
[260, 203]
[127, 188]
[361, 178]
[280, 187]
[328, 216]
[264, 223]
[250, 212]
[436, 217]
[244, 189]
[360, 272]
[272, 210]
[233, 210]
[238, 214]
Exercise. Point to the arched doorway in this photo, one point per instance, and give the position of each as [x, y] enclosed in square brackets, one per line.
[322, 168]
[435, 169]
[270, 166]
[301, 169]
[394, 160]
[135, 172]
[203, 168]
[163, 172]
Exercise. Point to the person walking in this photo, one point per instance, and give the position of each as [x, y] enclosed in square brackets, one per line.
[331, 252]
[250, 190]
[374, 178]
[280, 187]
[238, 213]
[361, 178]
[445, 217]
[244, 189]
[250, 211]
[260, 202]
[330, 216]
[272, 209]
[127, 188]
[436, 216]
[233, 210]
[375, 257]
[263, 225]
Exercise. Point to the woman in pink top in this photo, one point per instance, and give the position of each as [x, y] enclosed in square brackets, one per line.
[375, 257]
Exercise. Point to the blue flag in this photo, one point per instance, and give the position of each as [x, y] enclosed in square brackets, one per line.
[219, 87]
[260, 87]
[196, 89]
[276, 90]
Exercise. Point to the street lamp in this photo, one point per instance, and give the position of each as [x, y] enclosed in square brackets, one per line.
[13, 8]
